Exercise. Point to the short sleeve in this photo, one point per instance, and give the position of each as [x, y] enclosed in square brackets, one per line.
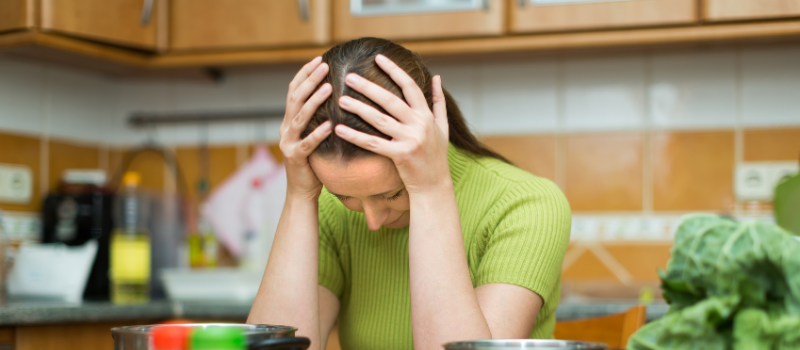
[527, 238]
[331, 273]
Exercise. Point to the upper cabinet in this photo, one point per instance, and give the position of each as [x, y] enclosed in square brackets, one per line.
[229, 24]
[132, 23]
[561, 15]
[16, 14]
[750, 9]
[417, 19]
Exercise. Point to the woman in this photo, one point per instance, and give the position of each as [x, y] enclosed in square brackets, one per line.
[479, 258]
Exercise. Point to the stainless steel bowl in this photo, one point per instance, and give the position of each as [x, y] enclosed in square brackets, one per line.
[509, 344]
[138, 337]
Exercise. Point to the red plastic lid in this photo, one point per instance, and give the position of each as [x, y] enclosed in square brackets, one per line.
[169, 337]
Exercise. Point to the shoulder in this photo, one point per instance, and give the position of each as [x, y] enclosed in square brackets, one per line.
[517, 184]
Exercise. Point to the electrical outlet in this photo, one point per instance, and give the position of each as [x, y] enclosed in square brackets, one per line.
[757, 180]
[16, 184]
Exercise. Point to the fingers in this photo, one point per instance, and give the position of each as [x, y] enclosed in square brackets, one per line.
[411, 91]
[301, 93]
[439, 104]
[300, 120]
[380, 121]
[304, 72]
[368, 142]
[312, 141]
[389, 101]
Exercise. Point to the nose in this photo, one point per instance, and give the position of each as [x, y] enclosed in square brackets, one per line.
[375, 216]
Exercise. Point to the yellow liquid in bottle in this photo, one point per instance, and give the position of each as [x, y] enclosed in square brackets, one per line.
[130, 267]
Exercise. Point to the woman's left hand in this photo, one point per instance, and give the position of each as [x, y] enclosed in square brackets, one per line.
[419, 135]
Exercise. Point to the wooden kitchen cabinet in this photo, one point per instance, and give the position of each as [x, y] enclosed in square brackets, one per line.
[720, 10]
[555, 15]
[228, 24]
[16, 14]
[132, 23]
[489, 19]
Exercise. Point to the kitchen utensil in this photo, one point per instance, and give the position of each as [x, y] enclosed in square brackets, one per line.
[138, 337]
[508, 344]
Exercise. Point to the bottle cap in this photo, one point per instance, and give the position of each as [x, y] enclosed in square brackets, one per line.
[169, 337]
[218, 338]
[131, 179]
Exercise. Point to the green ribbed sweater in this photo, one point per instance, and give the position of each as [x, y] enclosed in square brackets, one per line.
[516, 229]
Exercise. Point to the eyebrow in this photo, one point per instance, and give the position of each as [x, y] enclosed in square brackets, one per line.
[374, 195]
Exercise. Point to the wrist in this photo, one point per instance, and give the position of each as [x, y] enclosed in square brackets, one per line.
[302, 196]
[436, 191]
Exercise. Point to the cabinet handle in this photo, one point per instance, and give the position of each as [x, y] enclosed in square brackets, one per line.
[304, 9]
[147, 10]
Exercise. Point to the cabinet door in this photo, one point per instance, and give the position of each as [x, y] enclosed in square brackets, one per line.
[556, 15]
[16, 14]
[223, 24]
[131, 23]
[744, 9]
[417, 19]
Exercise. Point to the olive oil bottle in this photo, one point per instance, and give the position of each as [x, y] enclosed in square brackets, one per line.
[130, 246]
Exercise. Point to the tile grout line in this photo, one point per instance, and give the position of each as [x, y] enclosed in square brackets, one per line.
[560, 135]
[648, 181]
[44, 140]
[738, 135]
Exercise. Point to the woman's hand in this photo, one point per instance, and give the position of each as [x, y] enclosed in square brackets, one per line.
[299, 108]
[419, 134]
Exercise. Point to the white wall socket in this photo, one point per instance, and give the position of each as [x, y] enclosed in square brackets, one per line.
[16, 184]
[757, 180]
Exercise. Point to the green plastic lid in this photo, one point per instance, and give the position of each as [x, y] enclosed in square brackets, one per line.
[218, 338]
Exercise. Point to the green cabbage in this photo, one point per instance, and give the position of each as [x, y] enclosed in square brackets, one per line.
[729, 286]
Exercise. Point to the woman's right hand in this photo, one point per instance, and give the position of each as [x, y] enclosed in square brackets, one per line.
[299, 109]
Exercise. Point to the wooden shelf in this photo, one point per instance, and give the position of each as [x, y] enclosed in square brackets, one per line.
[50, 46]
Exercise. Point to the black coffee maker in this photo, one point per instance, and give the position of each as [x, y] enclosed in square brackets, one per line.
[76, 213]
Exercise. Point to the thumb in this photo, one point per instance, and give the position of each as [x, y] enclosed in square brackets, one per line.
[439, 106]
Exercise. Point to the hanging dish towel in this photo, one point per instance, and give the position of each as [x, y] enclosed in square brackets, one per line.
[244, 211]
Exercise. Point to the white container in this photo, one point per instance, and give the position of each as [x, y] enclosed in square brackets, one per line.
[51, 271]
[217, 284]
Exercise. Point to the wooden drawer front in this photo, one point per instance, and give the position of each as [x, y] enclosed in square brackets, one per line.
[746, 9]
[419, 26]
[595, 15]
[224, 24]
[114, 21]
[16, 14]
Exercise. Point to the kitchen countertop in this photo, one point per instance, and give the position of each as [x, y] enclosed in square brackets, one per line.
[30, 313]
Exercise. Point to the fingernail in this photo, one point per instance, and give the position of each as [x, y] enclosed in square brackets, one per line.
[352, 78]
[345, 101]
[326, 127]
[324, 89]
[320, 70]
[316, 59]
[341, 131]
[381, 58]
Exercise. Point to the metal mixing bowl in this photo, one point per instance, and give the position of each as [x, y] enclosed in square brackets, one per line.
[510, 344]
[138, 337]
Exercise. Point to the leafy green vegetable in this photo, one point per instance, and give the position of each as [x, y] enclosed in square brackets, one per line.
[730, 286]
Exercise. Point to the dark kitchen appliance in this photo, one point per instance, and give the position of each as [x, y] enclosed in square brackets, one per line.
[74, 214]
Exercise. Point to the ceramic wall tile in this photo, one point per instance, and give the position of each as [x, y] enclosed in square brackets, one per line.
[461, 80]
[693, 90]
[63, 155]
[772, 144]
[518, 97]
[220, 164]
[21, 91]
[771, 86]
[693, 170]
[604, 93]
[533, 153]
[267, 88]
[588, 267]
[138, 97]
[604, 171]
[641, 261]
[78, 104]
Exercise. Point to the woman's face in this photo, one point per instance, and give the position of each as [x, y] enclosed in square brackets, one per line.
[370, 185]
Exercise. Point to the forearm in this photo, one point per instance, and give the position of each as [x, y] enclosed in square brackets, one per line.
[288, 294]
[444, 306]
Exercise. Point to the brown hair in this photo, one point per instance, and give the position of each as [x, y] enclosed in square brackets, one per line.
[358, 56]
